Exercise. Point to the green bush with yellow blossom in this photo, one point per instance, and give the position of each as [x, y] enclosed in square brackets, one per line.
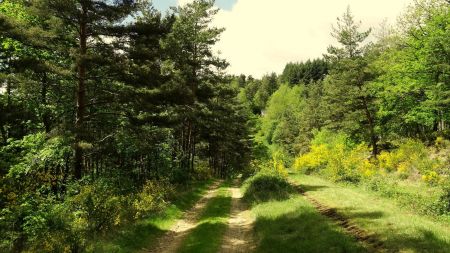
[335, 157]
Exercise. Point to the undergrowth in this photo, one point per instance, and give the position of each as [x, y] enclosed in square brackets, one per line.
[265, 186]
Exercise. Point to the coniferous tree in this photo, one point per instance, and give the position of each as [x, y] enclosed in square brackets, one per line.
[90, 30]
[348, 96]
[197, 68]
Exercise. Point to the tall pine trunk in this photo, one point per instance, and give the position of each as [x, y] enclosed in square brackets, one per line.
[371, 126]
[80, 96]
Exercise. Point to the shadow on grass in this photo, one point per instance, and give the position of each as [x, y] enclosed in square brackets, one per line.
[365, 215]
[139, 236]
[217, 207]
[352, 213]
[424, 241]
[303, 230]
[310, 188]
[205, 238]
[207, 235]
[190, 194]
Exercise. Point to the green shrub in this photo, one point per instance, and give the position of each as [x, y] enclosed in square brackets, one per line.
[265, 186]
[334, 156]
[153, 197]
[37, 224]
[420, 198]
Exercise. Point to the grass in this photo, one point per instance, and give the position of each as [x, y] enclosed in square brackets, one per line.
[414, 195]
[207, 235]
[293, 225]
[144, 233]
[287, 222]
[400, 229]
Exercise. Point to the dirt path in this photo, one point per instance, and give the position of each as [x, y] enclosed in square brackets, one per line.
[368, 239]
[239, 235]
[171, 241]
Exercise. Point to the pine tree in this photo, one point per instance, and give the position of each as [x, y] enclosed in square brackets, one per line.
[347, 89]
[89, 36]
[196, 67]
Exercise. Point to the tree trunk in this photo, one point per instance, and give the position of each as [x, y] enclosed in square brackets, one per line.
[371, 126]
[80, 96]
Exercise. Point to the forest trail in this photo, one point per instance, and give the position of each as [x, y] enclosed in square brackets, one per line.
[238, 237]
[171, 241]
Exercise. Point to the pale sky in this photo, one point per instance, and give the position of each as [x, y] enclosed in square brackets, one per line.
[261, 36]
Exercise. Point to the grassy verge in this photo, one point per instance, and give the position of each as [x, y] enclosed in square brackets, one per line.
[207, 236]
[293, 225]
[145, 232]
[413, 195]
[287, 222]
[400, 230]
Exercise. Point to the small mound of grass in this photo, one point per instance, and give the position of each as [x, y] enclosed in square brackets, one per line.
[265, 186]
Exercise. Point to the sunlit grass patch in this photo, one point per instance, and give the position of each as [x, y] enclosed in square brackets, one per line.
[293, 225]
[399, 228]
[207, 235]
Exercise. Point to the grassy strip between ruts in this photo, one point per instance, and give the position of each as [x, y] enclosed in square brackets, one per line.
[144, 233]
[206, 237]
[399, 229]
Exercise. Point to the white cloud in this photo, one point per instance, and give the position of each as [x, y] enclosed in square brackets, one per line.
[263, 35]
[183, 2]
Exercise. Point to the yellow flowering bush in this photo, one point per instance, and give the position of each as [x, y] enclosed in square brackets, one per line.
[280, 168]
[368, 169]
[315, 159]
[387, 161]
[431, 178]
[336, 158]
[152, 197]
[411, 156]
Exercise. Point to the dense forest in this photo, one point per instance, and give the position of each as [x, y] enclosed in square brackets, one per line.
[111, 112]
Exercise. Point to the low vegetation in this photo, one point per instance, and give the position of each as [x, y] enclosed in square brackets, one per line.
[285, 221]
[114, 117]
[294, 225]
[265, 186]
[145, 231]
[206, 237]
[400, 229]
[411, 173]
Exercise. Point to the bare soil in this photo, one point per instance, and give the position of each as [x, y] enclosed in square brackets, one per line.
[171, 241]
[239, 235]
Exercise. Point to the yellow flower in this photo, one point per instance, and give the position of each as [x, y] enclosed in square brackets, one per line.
[403, 167]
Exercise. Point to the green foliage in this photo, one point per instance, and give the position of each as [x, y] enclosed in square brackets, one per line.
[104, 108]
[416, 196]
[153, 107]
[280, 122]
[413, 81]
[410, 174]
[266, 185]
[153, 197]
[304, 72]
[91, 210]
